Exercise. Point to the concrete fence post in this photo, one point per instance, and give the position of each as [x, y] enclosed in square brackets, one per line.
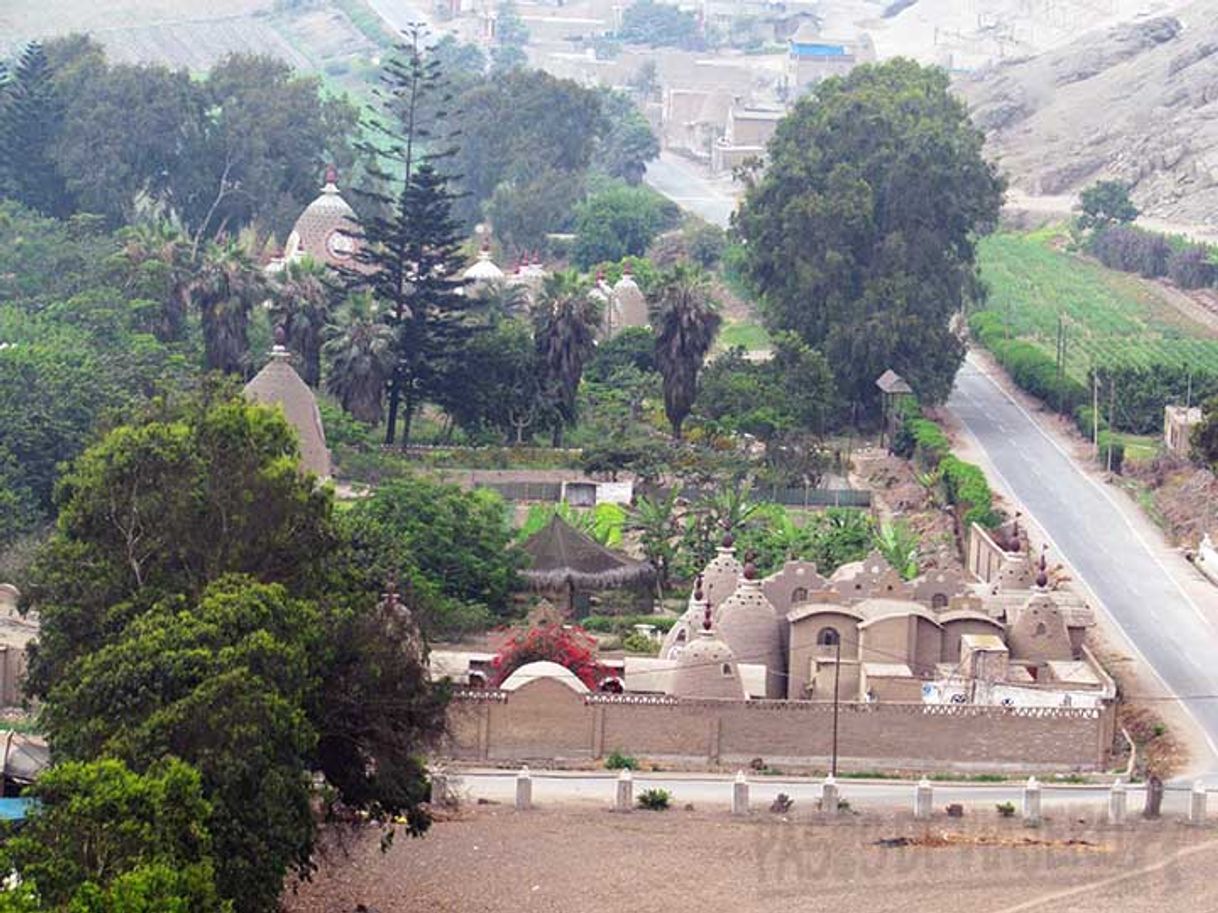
[924, 798]
[524, 789]
[828, 796]
[1117, 803]
[740, 794]
[625, 792]
[439, 787]
[1196, 805]
[1031, 802]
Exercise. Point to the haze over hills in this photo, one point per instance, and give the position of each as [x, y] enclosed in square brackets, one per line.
[1137, 102]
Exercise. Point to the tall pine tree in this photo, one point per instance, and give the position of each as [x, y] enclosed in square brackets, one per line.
[31, 118]
[409, 256]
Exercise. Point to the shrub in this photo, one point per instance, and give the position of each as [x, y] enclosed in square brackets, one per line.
[623, 624]
[636, 642]
[654, 800]
[782, 804]
[1110, 443]
[1006, 809]
[619, 761]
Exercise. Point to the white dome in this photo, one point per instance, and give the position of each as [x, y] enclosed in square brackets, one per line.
[530, 672]
[484, 269]
[327, 230]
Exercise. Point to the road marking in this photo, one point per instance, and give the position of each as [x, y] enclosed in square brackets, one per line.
[1209, 739]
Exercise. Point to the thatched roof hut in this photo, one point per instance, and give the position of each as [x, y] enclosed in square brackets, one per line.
[562, 559]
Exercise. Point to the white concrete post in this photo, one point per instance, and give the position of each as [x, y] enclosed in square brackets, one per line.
[740, 794]
[1116, 803]
[524, 789]
[1196, 805]
[828, 796]
[439, 787]
[924, 798]
[1031, 802]
[625, 792]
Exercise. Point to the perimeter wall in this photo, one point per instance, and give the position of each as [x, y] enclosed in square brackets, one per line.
[547, 721]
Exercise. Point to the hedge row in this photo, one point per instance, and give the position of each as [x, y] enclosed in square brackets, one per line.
[964, 484]
[624, 624]
[1153, 255]
[1032, 369]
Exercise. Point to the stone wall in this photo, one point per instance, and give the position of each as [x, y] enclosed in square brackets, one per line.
[545, 721]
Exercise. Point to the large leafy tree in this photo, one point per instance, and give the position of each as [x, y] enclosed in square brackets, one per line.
[360, 353]
[154, 264]
[619, 221]
[104, 838]
[195, 601]
[686, 320]
[1106, 203]
[628, 143]
[566, 320]
[860, 235]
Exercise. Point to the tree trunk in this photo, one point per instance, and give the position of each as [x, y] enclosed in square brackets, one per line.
[395, 395]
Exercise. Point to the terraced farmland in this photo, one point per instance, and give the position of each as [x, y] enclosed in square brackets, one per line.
[1110, 317]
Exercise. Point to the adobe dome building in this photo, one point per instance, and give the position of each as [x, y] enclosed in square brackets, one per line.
[278, 384]
[751, 627]
[327, 231]
[629, 303]
[723, 573]
[706, 668]
[483, 272]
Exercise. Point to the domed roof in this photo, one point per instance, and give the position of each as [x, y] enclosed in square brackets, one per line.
[751, 627]
[543, 668]
[484, 269]
[327, 229]
[630, 301]
[722, 574]
[278, 384]
[706, 668]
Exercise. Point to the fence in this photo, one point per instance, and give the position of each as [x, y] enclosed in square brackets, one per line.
[788, 497]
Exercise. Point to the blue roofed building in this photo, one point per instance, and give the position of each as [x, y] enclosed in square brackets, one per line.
[813, 57]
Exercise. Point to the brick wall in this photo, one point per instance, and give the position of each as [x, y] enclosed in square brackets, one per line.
[544, 720]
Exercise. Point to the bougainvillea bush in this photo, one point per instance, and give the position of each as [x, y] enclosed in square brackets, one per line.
[569, 646]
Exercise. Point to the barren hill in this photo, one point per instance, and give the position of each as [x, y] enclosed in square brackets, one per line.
[1137, 102]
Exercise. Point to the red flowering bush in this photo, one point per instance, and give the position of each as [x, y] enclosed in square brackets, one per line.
[570, 647]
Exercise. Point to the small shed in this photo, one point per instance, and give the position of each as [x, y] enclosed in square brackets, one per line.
[893, 392]
[562, 560]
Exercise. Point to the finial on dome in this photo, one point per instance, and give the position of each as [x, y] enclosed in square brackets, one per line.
[1042, 577]
[331, 174]
[281, 335]
[600, 276]
[698, 594]
[750, 568]
[707, 621]
[728, 539]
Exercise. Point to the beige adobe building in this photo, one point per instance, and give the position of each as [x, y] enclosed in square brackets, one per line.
[1178, 425]
[278, 384]
[325, 232]
[749, 129]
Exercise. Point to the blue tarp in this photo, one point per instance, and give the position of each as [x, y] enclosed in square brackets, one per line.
[14, 809]
[819, 50]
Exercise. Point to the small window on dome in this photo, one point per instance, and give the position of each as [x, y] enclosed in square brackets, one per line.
[681, 636]
[1041, 630]
[727, 670]
[938, 601]
[828, 637]
[798, 595]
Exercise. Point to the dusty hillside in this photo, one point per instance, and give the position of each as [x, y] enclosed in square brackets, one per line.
[1138, 102]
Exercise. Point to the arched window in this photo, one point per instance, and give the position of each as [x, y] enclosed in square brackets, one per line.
[1041, 630]
[727, 670]
[477, 680]
[798, 595]
[828, 637]
[612, 686]
[938, 601]
[681, 634]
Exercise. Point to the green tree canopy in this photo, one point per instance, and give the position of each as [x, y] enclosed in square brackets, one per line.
[660, 25]
[860, 234]
[1106, 203]
[619, 221]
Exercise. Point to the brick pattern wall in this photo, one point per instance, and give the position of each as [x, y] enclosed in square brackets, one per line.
[546, 721]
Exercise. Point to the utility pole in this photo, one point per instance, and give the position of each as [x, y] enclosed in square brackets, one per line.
[1095, 414]
[837, 674]
[1111, 416]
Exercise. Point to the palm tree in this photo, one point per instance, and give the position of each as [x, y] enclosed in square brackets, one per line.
[566, 320]
[900, 546]
[659, 528]
[499, 300]
[359, 350]
[301, 302]
[686, 318]
[226, 287]
[155, 263]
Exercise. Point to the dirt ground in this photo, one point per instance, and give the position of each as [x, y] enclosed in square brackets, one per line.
[491, 858]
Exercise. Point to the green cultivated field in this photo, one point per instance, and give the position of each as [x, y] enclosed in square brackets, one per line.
[1110, 316]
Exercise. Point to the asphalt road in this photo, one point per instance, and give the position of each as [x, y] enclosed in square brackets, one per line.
[1172, 633]
[710, 790]
[397, 13]
[682, 183]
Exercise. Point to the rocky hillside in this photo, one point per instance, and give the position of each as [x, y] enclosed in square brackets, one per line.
[1137, 102]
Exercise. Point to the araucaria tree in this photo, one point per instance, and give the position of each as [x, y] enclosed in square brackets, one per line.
[410, 256]
[686, 320]
[860, 235]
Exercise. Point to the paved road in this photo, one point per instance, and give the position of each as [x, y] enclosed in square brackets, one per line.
[1175, 637]
[396, 13]
[715, 790]
[686, 186]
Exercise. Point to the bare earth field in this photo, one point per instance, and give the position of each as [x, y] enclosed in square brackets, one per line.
[491, 858]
